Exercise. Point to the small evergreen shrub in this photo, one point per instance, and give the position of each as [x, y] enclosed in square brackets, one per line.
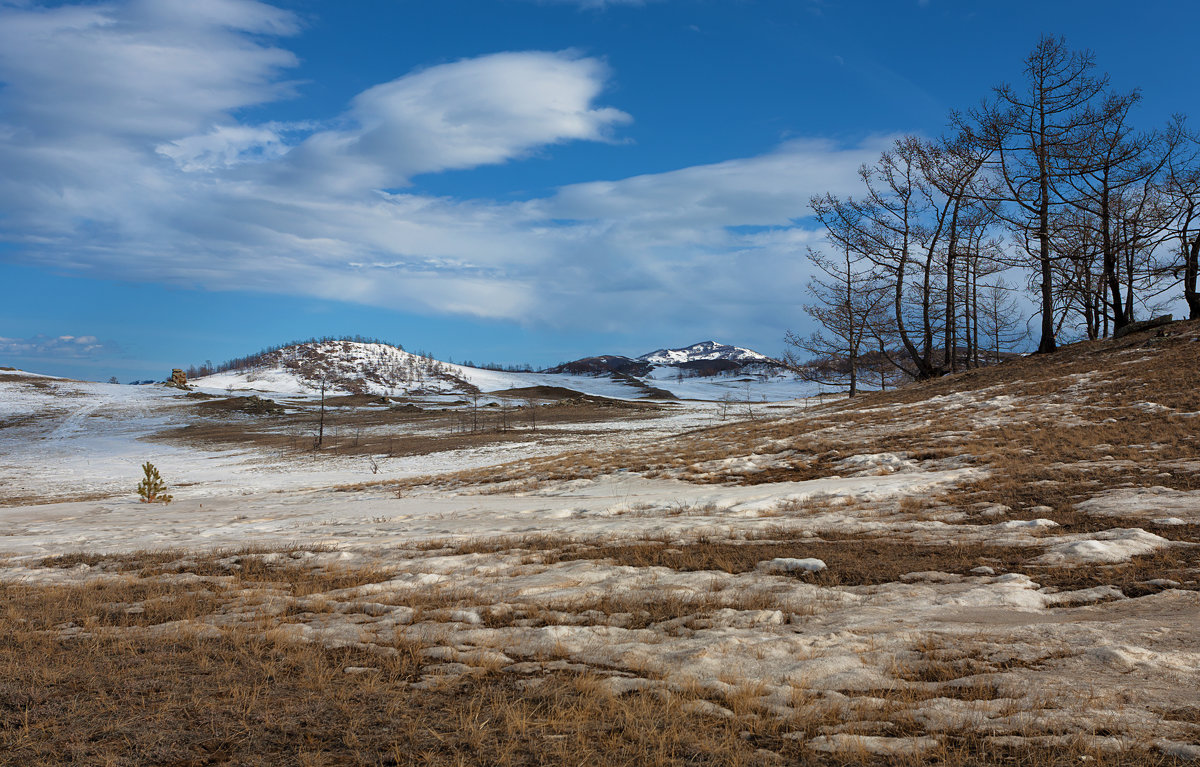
[151, 488]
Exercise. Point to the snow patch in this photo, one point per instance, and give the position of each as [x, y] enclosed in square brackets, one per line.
[1109, 546]
[872, 744]
[791, 565]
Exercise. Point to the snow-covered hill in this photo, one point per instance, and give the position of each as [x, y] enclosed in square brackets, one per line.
[347, 367]
[705, 351]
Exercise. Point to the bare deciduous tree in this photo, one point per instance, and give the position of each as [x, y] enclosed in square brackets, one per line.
[1000, 320]
[847, 301]
[1030, 129]
[1181, 187]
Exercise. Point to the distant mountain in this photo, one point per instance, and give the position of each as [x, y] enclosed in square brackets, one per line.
[705, 359]
[705, 351]
[605, 363]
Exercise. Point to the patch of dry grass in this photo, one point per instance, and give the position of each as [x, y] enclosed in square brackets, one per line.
[248, 566]
[396, 431]
[872, 561]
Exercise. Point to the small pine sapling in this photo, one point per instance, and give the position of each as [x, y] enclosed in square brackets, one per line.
[151, 488]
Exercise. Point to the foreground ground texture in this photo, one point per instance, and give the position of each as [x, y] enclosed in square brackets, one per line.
[1000, 567]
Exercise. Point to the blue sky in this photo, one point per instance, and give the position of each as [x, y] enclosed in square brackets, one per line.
[503, 180]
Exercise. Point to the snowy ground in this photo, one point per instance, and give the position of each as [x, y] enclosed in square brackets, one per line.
[738, 388]
[631, 548]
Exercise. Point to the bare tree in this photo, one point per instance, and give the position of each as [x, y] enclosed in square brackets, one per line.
[1181, 187]
[1000, 320]
[1142, 216]
[885, 226]
[1081, 271]
[321, 419]
[1030, 130]
[1109, 174]
[952, 167]
[846, 300]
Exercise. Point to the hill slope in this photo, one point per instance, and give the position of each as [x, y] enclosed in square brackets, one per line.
[346, 367]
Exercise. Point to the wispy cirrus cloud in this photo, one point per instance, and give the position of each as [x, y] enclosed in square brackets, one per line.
[596, 4]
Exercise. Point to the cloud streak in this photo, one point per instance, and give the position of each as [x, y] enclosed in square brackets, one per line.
[57, 347]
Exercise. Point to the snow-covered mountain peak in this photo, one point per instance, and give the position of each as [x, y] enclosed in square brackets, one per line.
[703, 351]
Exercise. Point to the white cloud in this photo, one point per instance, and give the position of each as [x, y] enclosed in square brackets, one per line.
[56, 347]
[128, 161]
[226, 146]
[152, 68]
[768, 190]
[465, 114]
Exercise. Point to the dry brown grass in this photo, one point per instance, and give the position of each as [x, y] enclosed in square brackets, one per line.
[83, 682]
[243, 700]
[248, 566]
[249, 698]
[354, 430]
[12, 500]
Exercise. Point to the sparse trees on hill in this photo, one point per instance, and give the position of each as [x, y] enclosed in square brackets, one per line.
[921, 224]
[1110, 175]
[265, 355]
[884, 227]
[1047, 182]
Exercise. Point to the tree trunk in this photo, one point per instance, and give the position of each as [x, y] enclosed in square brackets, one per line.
[1047, 343]
[951, 318]
[968, 348]
[924, 370]
[1130, 255]
[321, 422]
[975, 313]
[1190, 270]
[1111, 262]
